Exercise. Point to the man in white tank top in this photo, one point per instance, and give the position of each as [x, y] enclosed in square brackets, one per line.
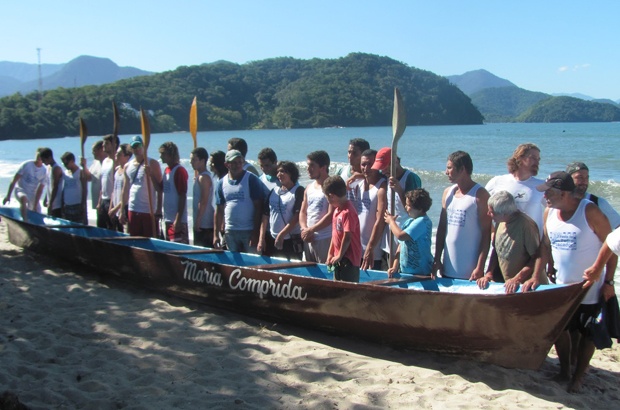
[464, 230]
[73, 191]
[574, 230]
[174, 188]
[315, 216]
[143, 212]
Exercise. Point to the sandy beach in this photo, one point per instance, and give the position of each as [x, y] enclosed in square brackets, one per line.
[72, 339]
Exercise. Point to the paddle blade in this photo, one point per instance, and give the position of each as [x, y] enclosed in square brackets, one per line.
[83, 135]
[83, 131]
[399, 117]
[193, 121]
[146, 129]
[117, 119]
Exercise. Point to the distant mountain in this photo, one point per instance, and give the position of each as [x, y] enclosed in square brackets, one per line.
[24, 72]
[499, 100]
[570, 109]
[506, 103]
[81, 71]
[473, 81]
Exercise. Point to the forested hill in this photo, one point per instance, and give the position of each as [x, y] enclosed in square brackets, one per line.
[356, 90]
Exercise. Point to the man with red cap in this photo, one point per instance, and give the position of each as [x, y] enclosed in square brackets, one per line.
[400, 183]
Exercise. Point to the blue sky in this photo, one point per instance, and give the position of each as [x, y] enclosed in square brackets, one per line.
[544, 45]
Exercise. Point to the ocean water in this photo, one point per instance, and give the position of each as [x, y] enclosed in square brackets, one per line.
[422, 149]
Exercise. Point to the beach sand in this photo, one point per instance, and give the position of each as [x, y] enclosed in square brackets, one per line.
[72, 339]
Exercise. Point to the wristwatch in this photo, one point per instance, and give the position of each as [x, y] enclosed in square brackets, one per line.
[609, 282]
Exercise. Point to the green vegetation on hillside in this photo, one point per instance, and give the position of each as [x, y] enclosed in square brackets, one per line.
[569, 109]
[356, 90]
[506, 103]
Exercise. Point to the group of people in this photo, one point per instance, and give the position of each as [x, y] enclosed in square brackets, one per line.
[530, 230]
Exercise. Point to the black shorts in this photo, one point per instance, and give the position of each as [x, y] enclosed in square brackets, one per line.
[581, 318]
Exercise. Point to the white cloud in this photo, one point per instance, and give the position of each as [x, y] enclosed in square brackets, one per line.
[577, 67]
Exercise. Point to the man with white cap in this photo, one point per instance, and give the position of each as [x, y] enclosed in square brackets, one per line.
[574, 230]
[239, 199]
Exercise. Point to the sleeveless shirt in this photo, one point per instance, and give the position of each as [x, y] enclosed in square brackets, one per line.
[574, 247]
[463, 234]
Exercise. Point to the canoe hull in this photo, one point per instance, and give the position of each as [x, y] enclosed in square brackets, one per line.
[509, 330]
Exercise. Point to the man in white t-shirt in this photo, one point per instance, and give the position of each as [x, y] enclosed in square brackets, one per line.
[521, 183]
[28, 182]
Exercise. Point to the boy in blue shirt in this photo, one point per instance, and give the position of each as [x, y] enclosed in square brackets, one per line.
[413, 255]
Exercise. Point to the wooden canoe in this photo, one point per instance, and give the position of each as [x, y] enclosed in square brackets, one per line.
[443, 315]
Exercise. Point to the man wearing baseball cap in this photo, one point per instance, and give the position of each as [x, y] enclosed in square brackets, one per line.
[137, 176]
[574, 231]
[400, 183]
[239, 199]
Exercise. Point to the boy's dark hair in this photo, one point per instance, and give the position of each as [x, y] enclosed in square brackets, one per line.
[335, 185]
[369, 153]
[420, 199]
[113, 139]
[268, 153]
[360, 143]
[239, 144]
[290, 168]
[461, 159]
[45, 153]
[66, 157]
[320, 157]
[218, 159]
[200, 153]
[126, 149]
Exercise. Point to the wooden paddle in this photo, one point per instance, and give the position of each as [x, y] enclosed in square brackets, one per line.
[146, 139]
[399, 123]
[83, 134]
[193, 121]
[117, 119]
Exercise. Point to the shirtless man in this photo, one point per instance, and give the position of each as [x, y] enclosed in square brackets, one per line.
[574, 230]
[464, 229]
[315, 216]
